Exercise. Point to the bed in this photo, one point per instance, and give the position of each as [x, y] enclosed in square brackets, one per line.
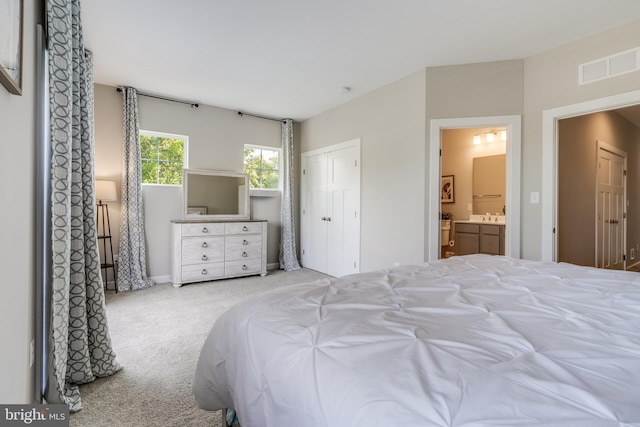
[467, 341]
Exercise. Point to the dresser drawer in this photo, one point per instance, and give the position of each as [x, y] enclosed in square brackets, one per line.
[209, 271]
[243, 227]
[248, 252]
[240, 242]
[248, 266]
[202, 249]
[203, 229]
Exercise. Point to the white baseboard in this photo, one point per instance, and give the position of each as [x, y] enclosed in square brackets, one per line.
[161, 279]
[273, 266]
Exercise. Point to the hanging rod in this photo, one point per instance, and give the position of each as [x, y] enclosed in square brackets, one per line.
[240, 113]
[164, 98]
[486, 196]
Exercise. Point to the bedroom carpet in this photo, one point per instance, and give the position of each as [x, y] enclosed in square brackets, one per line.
[157, 334]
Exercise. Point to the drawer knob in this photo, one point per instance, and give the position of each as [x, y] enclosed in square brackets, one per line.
[205, 245]
[205, 230]
[204, 272]
[244, 254]
[244, 242]
[204, 257]
[245, 228]
[244, 267]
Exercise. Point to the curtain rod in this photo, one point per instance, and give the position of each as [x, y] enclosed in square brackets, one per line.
[240, 113]
[164, 98]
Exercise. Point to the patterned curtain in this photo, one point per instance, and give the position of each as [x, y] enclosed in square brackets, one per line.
[132, 270]
[288, 256]
[80, 345]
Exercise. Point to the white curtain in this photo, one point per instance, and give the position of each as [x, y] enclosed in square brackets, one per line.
[80, 345]
[132, 270]
[288, 255]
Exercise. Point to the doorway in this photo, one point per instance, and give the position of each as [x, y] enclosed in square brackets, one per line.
[550, 162]
[474, 174]
[596, 215]
[512, 125]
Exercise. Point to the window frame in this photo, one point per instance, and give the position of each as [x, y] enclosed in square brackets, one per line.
[185, 151]
[265, 192]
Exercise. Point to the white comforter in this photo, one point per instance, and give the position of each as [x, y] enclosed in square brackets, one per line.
[468, 341]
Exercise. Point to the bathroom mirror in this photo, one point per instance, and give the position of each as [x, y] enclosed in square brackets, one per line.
[489, 184]
[209, 194]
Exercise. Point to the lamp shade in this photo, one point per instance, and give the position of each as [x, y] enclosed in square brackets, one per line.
[106, 191]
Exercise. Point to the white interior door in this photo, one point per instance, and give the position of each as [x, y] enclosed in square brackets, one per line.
[344, 217]
[610, 208]
[314, 212]
[330, 232]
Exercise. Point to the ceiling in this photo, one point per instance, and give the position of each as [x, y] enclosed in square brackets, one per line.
[294, 58]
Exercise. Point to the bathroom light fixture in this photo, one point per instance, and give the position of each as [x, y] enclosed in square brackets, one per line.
[489, 136]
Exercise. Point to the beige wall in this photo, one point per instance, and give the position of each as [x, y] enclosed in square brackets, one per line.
[577, 182]
[216, 141]
[458, 151]
[17, 170]
[551, 81]
[472, 90]
[391, 125]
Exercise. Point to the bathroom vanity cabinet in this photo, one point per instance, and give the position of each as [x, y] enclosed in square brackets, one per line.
[474, 238]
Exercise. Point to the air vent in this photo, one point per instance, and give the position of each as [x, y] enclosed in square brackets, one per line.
[610, 66]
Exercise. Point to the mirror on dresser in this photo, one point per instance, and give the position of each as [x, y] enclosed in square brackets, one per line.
[213, 195]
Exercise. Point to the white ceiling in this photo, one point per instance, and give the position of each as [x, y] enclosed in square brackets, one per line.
[292, 58]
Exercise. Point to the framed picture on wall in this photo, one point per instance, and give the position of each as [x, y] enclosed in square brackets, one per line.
[446, 188]
[11, 45]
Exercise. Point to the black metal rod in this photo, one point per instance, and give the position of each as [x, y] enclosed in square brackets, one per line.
[240, 113]
[164, 98]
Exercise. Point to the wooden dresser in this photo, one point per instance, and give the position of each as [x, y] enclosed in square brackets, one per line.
[210, 250]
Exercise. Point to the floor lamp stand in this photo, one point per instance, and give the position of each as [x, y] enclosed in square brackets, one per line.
[103, 212]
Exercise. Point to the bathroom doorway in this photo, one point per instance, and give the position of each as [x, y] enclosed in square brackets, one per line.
[474, 159]
[482, 126]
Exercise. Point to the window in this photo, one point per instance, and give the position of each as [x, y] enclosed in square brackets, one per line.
[163, 157]
[262, 164]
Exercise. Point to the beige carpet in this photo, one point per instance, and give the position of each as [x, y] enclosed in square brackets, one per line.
[157, 334]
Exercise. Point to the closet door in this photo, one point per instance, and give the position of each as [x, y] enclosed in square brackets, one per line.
[343, 231]
[314, 212]
[330, 232]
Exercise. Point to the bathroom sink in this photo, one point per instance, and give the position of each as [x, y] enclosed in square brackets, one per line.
[485, 219]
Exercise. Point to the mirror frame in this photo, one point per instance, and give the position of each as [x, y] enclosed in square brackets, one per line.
[185, 194]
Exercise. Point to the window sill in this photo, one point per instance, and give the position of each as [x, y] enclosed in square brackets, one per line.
[264, 193]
